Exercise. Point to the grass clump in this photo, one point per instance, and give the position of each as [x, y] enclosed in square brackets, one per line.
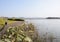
[2, 21]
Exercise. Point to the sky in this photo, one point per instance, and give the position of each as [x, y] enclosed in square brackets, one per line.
[30, 8]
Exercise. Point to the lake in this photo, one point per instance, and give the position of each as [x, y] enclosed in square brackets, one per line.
[47, 26]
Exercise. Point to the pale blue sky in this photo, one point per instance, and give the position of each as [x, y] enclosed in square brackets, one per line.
[29, 8]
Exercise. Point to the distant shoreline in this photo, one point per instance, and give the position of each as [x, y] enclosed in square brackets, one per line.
[32, 18]
[53, 18]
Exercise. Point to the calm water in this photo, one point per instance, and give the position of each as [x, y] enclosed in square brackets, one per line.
[47, 26]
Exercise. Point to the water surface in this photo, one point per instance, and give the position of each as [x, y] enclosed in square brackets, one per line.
[49, 26]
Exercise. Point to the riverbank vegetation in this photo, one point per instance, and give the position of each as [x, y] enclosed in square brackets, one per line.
[22, 33]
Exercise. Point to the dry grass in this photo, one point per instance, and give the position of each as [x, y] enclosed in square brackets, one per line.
[22, 33]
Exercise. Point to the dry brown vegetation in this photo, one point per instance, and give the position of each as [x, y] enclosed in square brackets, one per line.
[22, 33]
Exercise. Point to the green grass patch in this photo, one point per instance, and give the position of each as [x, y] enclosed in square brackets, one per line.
[2, 21]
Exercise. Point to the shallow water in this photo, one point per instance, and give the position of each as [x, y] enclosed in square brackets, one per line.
[49, 26]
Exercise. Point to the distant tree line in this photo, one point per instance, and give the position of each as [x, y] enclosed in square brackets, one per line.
[15, 19]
